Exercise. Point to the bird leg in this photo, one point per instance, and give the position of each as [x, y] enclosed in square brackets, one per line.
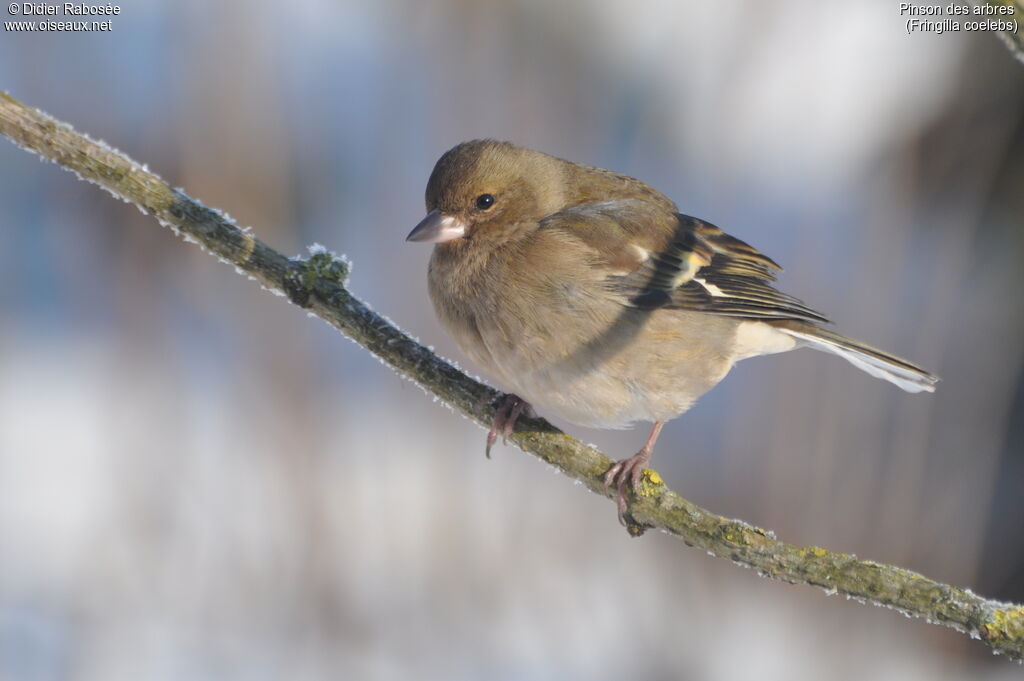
[628, 471]
[510, 408]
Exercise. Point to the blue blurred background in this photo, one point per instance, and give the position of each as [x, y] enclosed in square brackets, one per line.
[198, 482]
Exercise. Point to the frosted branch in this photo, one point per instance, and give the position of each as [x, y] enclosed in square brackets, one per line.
[1013, 36]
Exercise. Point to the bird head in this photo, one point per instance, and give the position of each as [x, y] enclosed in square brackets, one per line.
[489, 191]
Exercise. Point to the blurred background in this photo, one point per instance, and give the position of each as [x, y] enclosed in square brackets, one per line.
[199, 482]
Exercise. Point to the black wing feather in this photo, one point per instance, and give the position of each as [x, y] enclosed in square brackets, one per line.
[707, 270]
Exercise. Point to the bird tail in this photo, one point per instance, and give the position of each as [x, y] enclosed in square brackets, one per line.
[902, 373]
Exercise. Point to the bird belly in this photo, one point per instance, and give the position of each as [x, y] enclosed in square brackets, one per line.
[638, 367]
[597, 400]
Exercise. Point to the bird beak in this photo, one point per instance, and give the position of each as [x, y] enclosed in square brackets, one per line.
[437, 228]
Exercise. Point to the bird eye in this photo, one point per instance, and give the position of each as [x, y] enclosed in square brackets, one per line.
[484, 201]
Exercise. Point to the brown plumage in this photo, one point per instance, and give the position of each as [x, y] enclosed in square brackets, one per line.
[588, 295]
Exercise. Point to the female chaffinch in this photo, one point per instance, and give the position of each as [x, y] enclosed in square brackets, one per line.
[588, 295]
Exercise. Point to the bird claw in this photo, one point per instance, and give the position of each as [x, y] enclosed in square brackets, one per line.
[509, 409]
[626, 472]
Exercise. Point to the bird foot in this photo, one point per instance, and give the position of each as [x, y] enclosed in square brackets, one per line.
[510, 407]
[626, 472]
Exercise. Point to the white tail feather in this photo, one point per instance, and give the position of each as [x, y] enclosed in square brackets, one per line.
[869, 360]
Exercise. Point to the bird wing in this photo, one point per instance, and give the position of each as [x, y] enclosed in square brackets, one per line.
[657, 259]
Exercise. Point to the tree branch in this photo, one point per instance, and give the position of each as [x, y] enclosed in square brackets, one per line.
[318, 284]
[1012, 37]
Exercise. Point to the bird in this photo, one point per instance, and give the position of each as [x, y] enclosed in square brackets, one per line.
[588, 295]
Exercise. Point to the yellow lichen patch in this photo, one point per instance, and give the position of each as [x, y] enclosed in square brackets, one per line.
[651, 484]
[1005, 624]
[818, 551]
